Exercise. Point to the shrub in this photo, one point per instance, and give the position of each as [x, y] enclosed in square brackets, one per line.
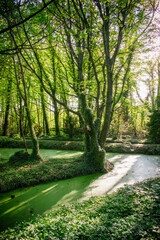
[19, 157]
[4, 141]
[154, 127]
[71, 127]
[22, 157]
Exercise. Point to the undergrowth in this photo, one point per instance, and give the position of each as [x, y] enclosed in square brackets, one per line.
[133, 212]
[30, 173]
[116, 146]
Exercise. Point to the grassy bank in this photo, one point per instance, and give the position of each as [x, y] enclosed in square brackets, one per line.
[117, 146]
[131, 213]
[62, 166]
[16, 176]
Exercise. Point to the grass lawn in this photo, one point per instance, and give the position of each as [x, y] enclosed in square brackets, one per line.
[133, 212]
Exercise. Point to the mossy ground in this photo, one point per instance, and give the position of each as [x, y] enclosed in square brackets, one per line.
[133, 212]
[16, 174]
[22, 157]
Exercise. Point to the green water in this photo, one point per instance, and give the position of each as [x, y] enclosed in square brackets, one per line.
[31, 201]
[6, 153]
[39, 199]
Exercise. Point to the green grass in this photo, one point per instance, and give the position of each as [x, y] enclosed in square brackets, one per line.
[133, 212]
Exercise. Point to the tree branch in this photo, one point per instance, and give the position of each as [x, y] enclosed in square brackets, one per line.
[27, 18]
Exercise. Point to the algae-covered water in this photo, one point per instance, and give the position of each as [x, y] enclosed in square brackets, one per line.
[6, 153]
[31, 201]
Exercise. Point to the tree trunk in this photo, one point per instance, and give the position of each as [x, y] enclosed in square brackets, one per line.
[56, 117]
[45, 119]
[5, 125]
[35, 145]
[56, 112]
[69, 123]
[94, 154]
[108, 111]
[21, 125]
[6, 119]
[158, 90]
[109, 64]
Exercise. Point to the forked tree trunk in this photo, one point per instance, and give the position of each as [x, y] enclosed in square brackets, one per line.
[94, 154]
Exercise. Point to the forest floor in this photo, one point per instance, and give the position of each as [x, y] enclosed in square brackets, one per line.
[133, 212]
[15, 176]
[52, 168]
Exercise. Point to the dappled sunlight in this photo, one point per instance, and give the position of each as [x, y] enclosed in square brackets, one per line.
[69, 154]
[67, 198]
[19, 205]
[18, 200]
[49, 153]
[48, 189]
[46, 153]
[146, 167]
[40, 199]
[6, 197]
[122, 165]
[115, 158]
[5, 200]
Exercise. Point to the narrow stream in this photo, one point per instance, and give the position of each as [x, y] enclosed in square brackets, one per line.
[31, 201]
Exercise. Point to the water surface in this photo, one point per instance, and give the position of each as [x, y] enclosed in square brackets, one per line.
[40, 199]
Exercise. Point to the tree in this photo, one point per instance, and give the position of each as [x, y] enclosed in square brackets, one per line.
[7, 6]
[20, 78]
[6, 91]
[108, 25]
[158, 88]
[45, 118]
[154, 126]
[8, 99]
[23, 94]
[92, 44]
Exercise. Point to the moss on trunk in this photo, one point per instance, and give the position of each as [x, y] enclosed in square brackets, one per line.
[94, 154]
